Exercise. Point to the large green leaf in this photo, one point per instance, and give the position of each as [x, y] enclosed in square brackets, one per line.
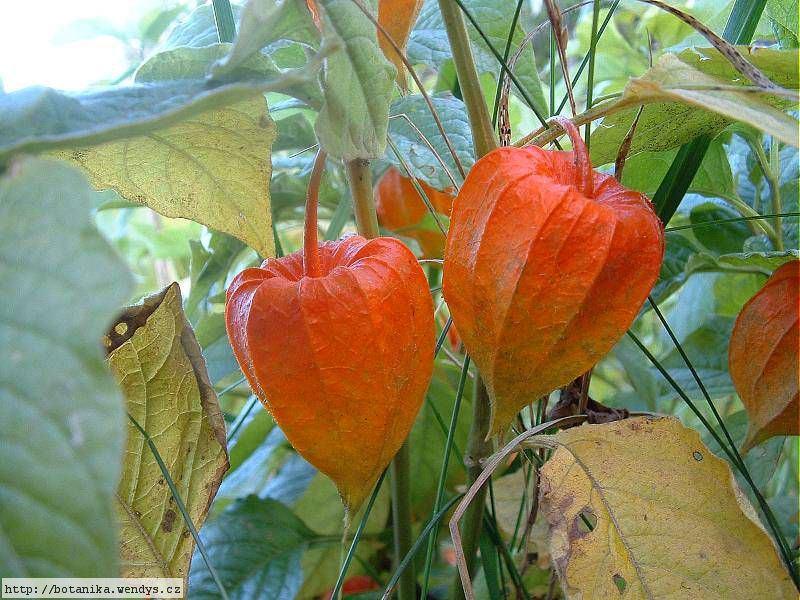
[198, 29]
[428, 43]
[41, 119]
[357, 84]
[255, 546]
[63, 423]
[416, 151]
[158, 364]
[683, 101]
[720, 238]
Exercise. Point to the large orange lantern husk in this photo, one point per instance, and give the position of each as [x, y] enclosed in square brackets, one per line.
[546, 266]
[763, 357]
[401, 210]
[337, 342]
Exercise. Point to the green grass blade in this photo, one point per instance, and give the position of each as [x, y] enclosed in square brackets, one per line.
[356, 538]
[181, 507]
[443, 473]
[417, 545]
[733, 220]
[223, 17]
[503, 63]
[506, 54]
[590, 75]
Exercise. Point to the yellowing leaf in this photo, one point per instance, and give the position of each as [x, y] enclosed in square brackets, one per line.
[212, 168]
[693, 93]
[668, 519]
[158, 364]
[397, 17]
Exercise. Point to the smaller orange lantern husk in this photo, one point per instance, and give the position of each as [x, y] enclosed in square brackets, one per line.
[763, 357]
[401, 210]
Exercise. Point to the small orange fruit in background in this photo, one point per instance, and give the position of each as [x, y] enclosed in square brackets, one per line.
[337, 342]
[401, 210]
[763, 357]
[546, 266]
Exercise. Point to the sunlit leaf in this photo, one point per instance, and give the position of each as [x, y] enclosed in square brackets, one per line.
[642, 508]
[213, 168]
[682, 102]
[159, 367]
[63, 423]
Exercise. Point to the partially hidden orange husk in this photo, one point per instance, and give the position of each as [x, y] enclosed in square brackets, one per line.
[763, 357]
[401, 210]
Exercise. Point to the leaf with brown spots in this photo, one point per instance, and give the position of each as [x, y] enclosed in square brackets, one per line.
[157, 363]
[640, 508]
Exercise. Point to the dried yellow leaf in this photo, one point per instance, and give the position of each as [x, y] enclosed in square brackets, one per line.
[640, 508]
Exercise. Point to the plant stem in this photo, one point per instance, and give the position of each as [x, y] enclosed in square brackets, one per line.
[478, 448]
[484, 140]
[360, 179]
[479, 120]
[311, 263]
[401, 520]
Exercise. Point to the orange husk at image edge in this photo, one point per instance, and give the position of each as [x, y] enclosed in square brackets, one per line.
[546, 265]
[763, 357]
[341, 360]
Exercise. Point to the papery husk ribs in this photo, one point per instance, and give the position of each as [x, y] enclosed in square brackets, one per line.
[546, 265]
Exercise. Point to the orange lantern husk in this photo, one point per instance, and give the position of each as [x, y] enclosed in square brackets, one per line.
[337, 342]
[763, 357]
[401, 210]
[546, 265]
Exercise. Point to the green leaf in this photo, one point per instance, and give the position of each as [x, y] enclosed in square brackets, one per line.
[42, 119]
[679, 250]
[295, 132]
[159, 367]
[263, 22]
[357, 84]
[252, 433]
[213, 168]
[210, 268]
[213, 339]
[644, 171]
[677, 111]
[416, 152]
[198, 29]
[63, 423]
[255, 546]
[272, 470]
[721, 238]
[747, 262]
[428, 43]
[320, 507]
[784, 13]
